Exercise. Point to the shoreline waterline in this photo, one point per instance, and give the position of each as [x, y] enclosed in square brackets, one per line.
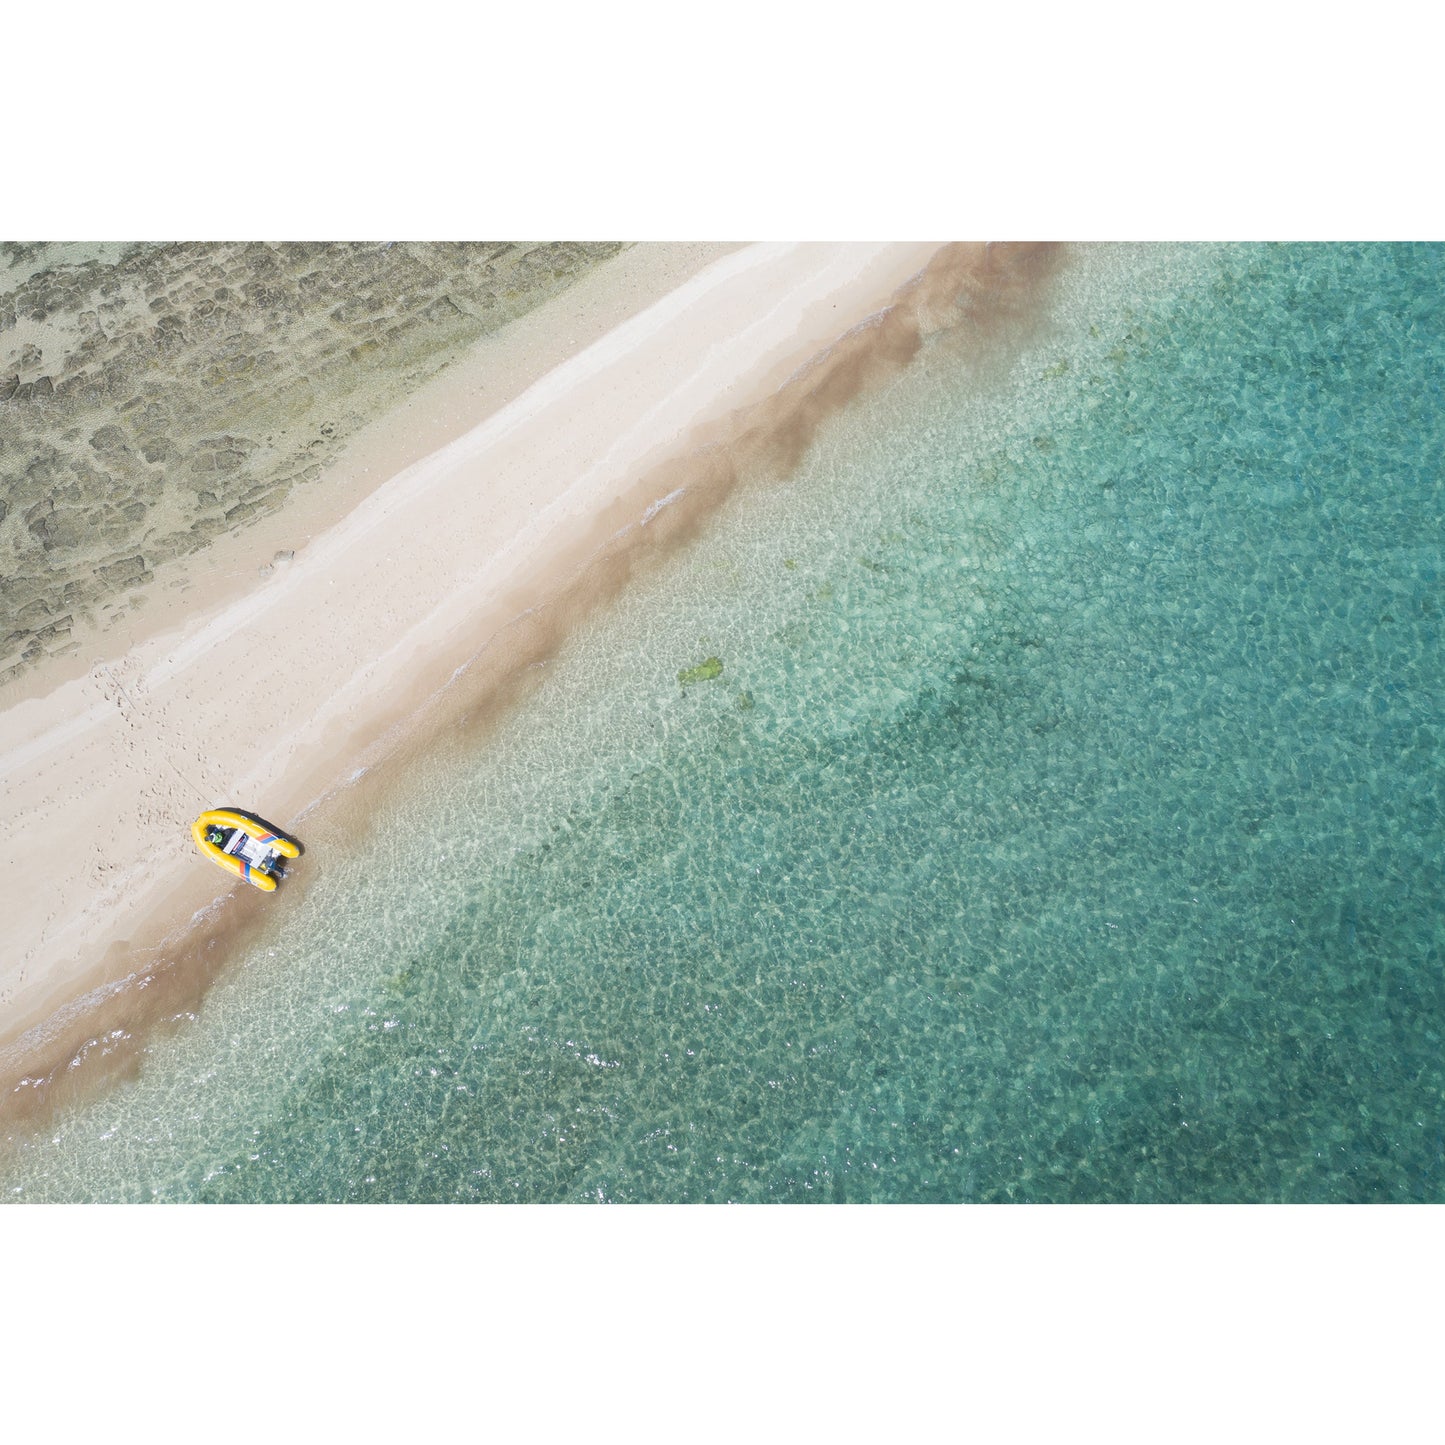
[164, 970]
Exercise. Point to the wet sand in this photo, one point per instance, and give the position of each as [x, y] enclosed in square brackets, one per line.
[311, 666]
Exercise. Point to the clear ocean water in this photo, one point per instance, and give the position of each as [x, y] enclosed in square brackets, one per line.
[1054, 812]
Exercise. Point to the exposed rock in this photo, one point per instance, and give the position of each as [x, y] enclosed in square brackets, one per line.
[37, 516]
[33, 612]
[108, 438]
[443, 309]
[163, 364]
[61, 626]
[123, 573]
[92, 485]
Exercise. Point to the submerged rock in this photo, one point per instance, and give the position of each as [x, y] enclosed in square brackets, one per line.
[705, 671]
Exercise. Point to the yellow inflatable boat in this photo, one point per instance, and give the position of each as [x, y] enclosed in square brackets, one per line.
[244, 846]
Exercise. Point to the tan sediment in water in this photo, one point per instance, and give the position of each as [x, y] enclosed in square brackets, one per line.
[428, 600]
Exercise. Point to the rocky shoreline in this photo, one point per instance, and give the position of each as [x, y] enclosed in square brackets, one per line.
[151, 402]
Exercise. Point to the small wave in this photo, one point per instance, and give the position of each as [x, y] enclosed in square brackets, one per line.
[662, 502]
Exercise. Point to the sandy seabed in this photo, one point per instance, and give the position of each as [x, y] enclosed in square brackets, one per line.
[452, 527]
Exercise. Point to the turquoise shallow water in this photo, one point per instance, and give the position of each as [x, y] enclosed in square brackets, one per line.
[1065, 822]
